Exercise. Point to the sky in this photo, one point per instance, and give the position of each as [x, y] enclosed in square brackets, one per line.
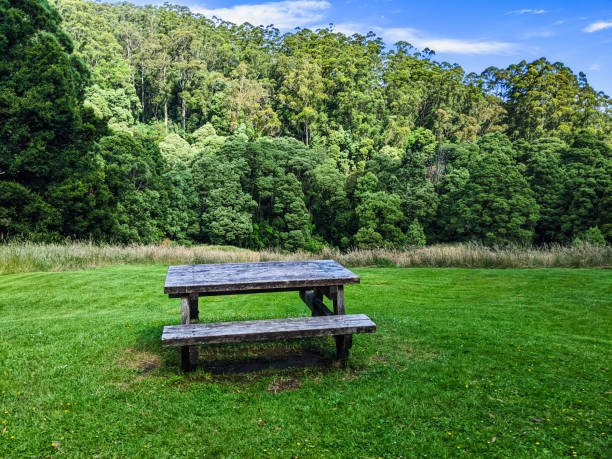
[473, 34]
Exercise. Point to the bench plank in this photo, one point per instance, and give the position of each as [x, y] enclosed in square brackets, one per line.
[228, 278]
[266, 330]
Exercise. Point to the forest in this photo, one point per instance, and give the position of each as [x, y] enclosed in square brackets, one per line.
[130, 124]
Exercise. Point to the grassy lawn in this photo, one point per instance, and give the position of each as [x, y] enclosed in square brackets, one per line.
[506, 363]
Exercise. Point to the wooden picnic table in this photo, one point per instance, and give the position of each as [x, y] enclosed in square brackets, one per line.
[314, 279]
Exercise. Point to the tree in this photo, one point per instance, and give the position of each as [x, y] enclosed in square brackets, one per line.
[281, 174]
[584, 201]
[330, 206]
[486, 198]
[547, 178]
[415, 236]
[24, 214]
[182, 216]
[302, 92]
[380, 218]
[544, 97]
[133, 170]
[47, 135]
[226, 209]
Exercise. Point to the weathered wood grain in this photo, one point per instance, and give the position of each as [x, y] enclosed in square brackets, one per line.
[343, 342]
[185, 309]
[228, 278]
[241, 292]
[266, 330]
[337, 293]
[315, 303]
[189, 315]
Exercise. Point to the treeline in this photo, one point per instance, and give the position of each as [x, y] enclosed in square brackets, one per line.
[136, 124]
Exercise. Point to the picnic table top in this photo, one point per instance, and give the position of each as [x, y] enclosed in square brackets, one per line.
[251, 277]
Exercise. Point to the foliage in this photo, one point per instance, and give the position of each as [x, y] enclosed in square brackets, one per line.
[138, 124]
[47, 135]
[486, 197]
[415, 236]
[592, 236]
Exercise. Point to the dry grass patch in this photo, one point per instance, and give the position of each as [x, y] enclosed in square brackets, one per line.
[279, 385]
[20, 257]
[142, 361]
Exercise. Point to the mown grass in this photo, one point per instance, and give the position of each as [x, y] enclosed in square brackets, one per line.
[502, 363]
[22, 257]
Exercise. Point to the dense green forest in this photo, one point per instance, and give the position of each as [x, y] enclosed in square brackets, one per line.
[138, 124]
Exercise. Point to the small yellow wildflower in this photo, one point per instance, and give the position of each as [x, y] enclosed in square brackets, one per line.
[12, 436]
[450, 433]
[458, 447]
[5, 412]
[66, 411]
[467, 385]
[537, 442]
[378, 427]
[68, 403]
[4, 421]
[52, 444]
[298, 443]
[18, 393]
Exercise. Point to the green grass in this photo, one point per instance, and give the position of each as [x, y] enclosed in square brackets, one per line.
[502, 363]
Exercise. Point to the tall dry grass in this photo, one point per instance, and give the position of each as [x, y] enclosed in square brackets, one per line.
[20, 257]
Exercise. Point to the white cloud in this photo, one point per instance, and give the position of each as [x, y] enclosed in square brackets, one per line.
[527, 11]
[597, 26]
[594, 67]
[450, 45]
[444, 45]
[346, 28]
[284, 14]
[538, 34]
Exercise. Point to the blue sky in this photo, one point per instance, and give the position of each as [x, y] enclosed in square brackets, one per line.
[474, 34]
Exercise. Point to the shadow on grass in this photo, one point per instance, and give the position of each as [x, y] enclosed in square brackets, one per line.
[147, 355]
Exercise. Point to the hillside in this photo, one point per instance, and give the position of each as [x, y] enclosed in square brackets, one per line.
[137, 124]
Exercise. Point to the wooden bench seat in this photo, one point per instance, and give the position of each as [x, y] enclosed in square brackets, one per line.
[266, 330]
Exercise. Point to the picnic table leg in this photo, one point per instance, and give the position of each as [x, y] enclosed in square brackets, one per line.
[189, 315]
[343, 342]
[318, 293]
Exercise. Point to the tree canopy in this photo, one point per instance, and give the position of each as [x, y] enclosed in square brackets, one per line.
[136, 124]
